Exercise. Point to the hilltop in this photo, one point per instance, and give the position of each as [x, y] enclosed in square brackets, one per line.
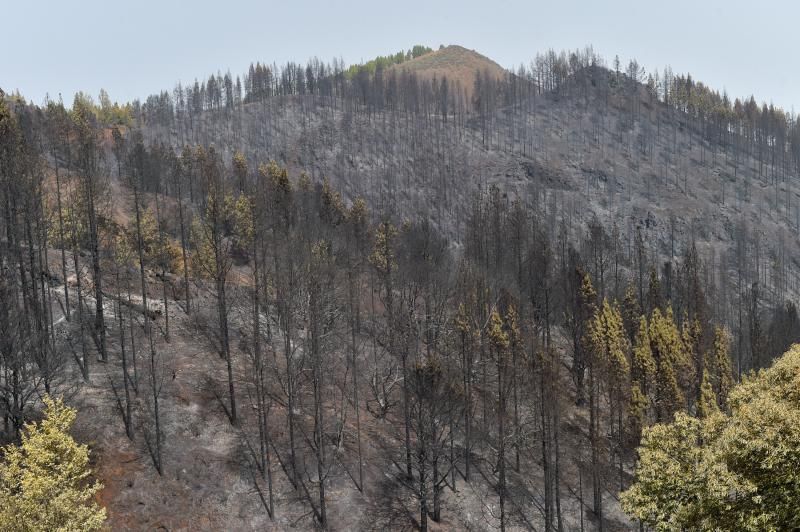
[454, 62]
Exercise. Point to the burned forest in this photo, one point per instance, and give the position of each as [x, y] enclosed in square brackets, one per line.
[423, 292]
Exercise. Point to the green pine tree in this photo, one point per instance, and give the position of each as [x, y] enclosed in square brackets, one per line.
[45, 483]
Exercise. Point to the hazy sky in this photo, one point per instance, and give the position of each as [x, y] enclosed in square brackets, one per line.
[135, 48]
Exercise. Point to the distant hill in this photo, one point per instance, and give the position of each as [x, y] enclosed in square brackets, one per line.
[454, 62]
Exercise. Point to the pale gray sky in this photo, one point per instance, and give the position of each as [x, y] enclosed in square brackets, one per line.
[136, 48]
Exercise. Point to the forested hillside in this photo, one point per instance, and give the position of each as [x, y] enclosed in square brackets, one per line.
[661, 157]
[422, 292]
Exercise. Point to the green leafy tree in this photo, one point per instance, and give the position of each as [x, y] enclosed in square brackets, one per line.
[737, 471]
[643, 367]
[45, 482]
[669, 476]
[636, 416]
[608, 347]
[609, 343]
[669, 353]
[582, 305]
[718, 364]
[631, 312]
[707, 404]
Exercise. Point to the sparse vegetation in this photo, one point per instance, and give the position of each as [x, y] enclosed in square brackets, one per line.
[422, 289]
[383, 62]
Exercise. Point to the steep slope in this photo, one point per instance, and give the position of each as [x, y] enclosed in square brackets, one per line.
[583, 151]
[594, 148]
[210, 481]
